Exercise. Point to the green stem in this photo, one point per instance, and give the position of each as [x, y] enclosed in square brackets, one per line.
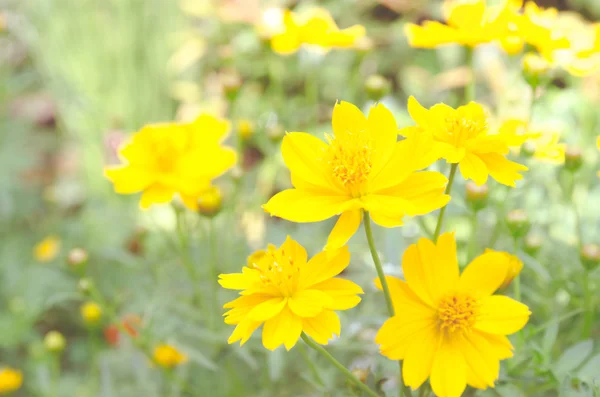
[440, 221]
[517, 290]
[404, 390]
[186, 257]
[473, 240]
[470, 89]
[364, 388]
[310, 364]
[588, 319]
[214, 273]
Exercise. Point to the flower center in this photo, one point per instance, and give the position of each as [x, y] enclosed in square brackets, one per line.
[459, 129]
[277, 269]
[351, 159]
[457, 312]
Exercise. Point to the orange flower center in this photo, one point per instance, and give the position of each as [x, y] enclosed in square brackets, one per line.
[351, 159]
[458, 130]
[279, 271]
[457, 312]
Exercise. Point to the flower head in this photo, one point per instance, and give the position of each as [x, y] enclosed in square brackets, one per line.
[289, 294]
[468, 22]
[91, 313]
[463, 136]
[55, 342]
[316, 28]
[360, 167]
[47, 249]
[164, 159]
[168, 356]
[450, 327]
[10, 380]
[545, 144]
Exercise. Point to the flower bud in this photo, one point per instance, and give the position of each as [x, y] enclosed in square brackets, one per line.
[512, 270]
[364, 45]
[210, 202]
[477, 195]
[55, 342]
[232, 83]
[361, 373]
[535, 69]
[528, 149]
[245, 129]
[377, 87]
[533, 243]
[77, 258]
[573, 158]
[91, 313]
[518, 223]
[111, 334]
[84, 286]
[590, 256]
[276, 133]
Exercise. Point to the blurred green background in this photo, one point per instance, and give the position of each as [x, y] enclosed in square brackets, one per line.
[76, 77]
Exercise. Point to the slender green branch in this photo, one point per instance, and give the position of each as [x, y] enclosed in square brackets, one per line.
[186, 257]
[404, 390]
[311, 365]
[440, 221]
[470, 88]
[588, 319]
[364, 388]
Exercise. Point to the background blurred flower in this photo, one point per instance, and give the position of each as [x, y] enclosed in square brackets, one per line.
[91, 313]
[168, 356]
[10, 380]
[164, 159]
[289, 295]
[450, 324]
[47, 249]
[55, 342]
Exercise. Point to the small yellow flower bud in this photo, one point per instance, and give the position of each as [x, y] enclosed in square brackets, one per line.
[361, 373]
[590, 256]
[533, 243]
[573, 158]
[47, 249]
[77, 258]
[535, 69]
[276, 133]
[518, 223]
[477, 195]
[10, 380]
[168, 356]
[377, 87]
[245, 129]
[55, 342]
[513, 269]
[84, 286]
[210, 202]
[91, 313]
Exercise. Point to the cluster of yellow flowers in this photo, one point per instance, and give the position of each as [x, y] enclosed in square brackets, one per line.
[561, 39]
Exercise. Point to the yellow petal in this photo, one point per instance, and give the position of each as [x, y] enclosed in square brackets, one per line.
[384, 133]
[283, 329]
[386, 221]
[267, 310]
[285, 43]
[322, 327]
[419, 356]
[401, 294]
[324, 266]
[156, 194]
[499, 345]
[448, 373]
[501, 169]
[128, 179]
[207, 127]
[428, 270]
[401, 332]
[292, 249]
[243, 331]
[430, 35]
[484, 274]
[347, 119]
[302, 206]
[309, 303]
[239, 281]
[501, 315]
[344, 229]
[483, 365]
[472, 167]
[418, 113]
[343, 293]
[303, 155]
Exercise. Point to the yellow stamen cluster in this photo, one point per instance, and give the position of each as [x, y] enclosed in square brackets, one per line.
[460, 129]
[457, 313]
[351, 159]
[278, 270]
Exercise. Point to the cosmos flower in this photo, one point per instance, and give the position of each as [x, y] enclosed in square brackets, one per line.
[168, 356]
[315, 27]
[289, 294]
[360, 167]
[545, 145]
[463, 137]
[162, 160]
[450, 327]
[47, 249]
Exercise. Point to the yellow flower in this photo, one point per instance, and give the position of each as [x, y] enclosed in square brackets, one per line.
[463, 136]
[546, 145]
[316, 28]
[449, 327]
[469, 23]
[290, 295]
[91, 313]
[10, 380]
[47, 249]
[540, 27]
[245, 129]
[361, 167]
[164, 159]
[168, 356]
[513, 267]
[210, 202]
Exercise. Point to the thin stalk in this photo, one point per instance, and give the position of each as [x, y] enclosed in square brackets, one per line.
[440, 220]
[473, 240]
[517, 290]
[364, 388]
[470, 89]
[588, 319]
[404, 390]
[214, 272]
[310, 364]
[186, 257]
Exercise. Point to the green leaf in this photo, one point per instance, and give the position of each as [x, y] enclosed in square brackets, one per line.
[572, 358]
[590, 372]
